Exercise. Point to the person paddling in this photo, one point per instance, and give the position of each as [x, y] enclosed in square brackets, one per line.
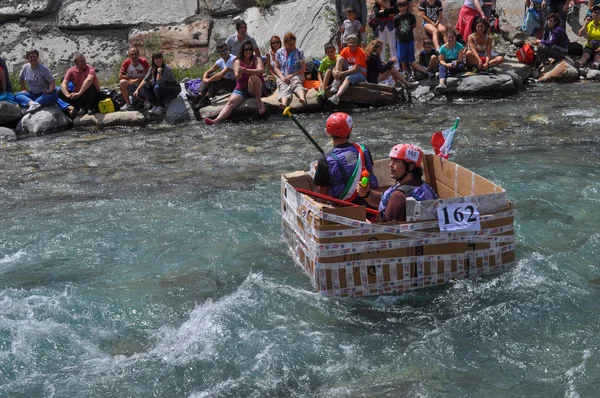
[406, 168]
[340, 169]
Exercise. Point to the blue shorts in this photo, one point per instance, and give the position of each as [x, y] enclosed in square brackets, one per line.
[244, 93]
[356, 78]
[406, 51]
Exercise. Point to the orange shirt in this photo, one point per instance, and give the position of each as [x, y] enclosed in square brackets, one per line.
[357, 57]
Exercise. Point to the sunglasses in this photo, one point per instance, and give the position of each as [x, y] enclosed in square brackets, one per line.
[248, 49]
[222, 51]
[275, 42]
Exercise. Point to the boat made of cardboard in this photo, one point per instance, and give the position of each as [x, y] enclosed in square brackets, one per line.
[347, 256]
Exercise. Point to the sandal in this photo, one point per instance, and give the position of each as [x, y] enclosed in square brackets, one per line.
[595, 65]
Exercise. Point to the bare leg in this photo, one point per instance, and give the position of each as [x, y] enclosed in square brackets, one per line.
[473, 60]
[496, 61]
[429, 28]
[343, 87]
[398, 77]
[255, 88]
[418, 67]
[123, 86]
[433, 64]
[232, 103]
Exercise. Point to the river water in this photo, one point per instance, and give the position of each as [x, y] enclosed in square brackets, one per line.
[149, 262]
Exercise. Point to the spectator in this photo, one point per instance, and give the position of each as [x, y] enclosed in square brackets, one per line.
[559, 7]
[351, 25]
[325, 72]
[234, 42]
[591, 30]
[480, 53]
[378, 71]
[386, 11]
[557, 45]
[289, 69]
[340, 13]
[351, 67]
[160, 85]
[37, 84]
[405, 22]
[275, 44]
[470, 10]
[6, 76]
[540, 7]
[451, 58]
[428, 60]
[248, 69]
[432, 14]
[86, 91]
[219, 79]
[132, 73]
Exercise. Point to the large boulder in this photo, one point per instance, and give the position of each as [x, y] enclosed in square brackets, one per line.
[124, 13]
[177, 112]
[593, 74]
[485, 84]
[227, 7]
[49, 119]
[187, 42]
[521, 70]
[9, 112]
[7, 134]
[131, 118]
[560, 72]
[13, 10]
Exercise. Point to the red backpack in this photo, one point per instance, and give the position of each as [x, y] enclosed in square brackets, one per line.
[526, 54]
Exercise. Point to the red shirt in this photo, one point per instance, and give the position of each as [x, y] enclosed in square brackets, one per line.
[357, 57]
[78, 77]
[139, 71]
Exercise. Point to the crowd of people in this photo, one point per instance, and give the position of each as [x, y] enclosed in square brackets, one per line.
[243, 72]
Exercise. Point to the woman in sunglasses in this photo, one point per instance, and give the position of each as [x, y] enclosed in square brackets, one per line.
[248, 70]
[275, 43]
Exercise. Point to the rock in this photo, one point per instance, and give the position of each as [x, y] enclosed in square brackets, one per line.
[57, 48]
[225, 7]
[423, 93]
[131, 118]
[517, 80]
[560, 72]
[9, 112]
[7, 134]
[522, 70]
[593, 74]
[312, 103]
[188, 42]
[121, 13]
[486, 84]
[370, 94]
[31, 8]
[177, 112]
[49, 119]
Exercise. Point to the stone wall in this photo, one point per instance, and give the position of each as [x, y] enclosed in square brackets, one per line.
[186, 29]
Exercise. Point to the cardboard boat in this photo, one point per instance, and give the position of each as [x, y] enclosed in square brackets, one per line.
[346, 256]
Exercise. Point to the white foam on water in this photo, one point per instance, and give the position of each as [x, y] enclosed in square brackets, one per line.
[13, 258]
[579, 112]
[574, 373]
[584, 122]
[592, 192]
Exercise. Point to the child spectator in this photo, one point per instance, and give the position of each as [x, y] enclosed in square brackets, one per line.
[428, 60]
[326, 68]
[451, 58]
[431, 12]
[351, 67]
[351, 26]
[404, 23]
[385, 11]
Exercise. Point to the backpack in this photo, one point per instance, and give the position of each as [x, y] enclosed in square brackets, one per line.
[372, 20]
[494, 22]
[531, 22]
[193, 86]
[312, 71]
[117, 98]
[526, 54]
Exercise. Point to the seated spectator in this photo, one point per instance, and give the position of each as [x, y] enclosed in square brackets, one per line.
[591, 31]
[557, 45]
[470, 10]
[275, 44]
[248, 69]
[5, 77]
[479, 53]
[234, 42]
[159, 85]
[219, 79]
[378, 71]
[431, 12]
[427, 64]
[406, 168]
[451, 58]
[132, 73]
[326, 69]
[40, 81]
[351, 67]
[289, 69]
[86, 91]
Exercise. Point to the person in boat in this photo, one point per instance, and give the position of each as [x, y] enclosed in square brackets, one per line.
[340, 169]
[406, 168]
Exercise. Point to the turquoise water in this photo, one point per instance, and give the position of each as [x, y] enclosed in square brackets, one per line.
[150, 263]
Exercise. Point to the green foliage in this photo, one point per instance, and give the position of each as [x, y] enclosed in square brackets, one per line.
[264, 3]
[14, 79]
[330, 19]
[113, 79]
[190, 73]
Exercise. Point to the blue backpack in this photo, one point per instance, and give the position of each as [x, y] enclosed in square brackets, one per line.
[531, 22]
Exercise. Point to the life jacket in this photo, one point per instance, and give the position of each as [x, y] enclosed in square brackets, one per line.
[345, 168]
[422, 192]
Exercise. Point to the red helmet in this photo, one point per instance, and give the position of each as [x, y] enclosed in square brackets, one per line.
[407, 152]
[339, 124]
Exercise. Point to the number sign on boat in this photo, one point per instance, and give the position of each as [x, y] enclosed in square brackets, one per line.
[459, 217]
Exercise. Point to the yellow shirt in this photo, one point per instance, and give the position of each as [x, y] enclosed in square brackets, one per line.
[593, 31]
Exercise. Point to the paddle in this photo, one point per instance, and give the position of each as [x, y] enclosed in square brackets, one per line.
[287, 112]
[333, 200]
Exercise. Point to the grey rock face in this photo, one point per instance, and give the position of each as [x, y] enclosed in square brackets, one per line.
[7, 134]
[226, 7]
[15, 9]
[49, 119]
[177, 112]
[486, 84]
[9, 112]
[124, 13]
[593, 74]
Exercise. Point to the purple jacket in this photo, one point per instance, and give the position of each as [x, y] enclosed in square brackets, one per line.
[558, 39]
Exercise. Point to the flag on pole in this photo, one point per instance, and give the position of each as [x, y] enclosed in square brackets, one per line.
[442, 140]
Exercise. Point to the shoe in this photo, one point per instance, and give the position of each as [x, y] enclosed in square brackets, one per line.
[321, 94]
[90, 112]
[335, 86]
[157, 110]
[33, 107]
[334, 99]
[412, 86]
[127, 107]
[441, 86]
[595, 65]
